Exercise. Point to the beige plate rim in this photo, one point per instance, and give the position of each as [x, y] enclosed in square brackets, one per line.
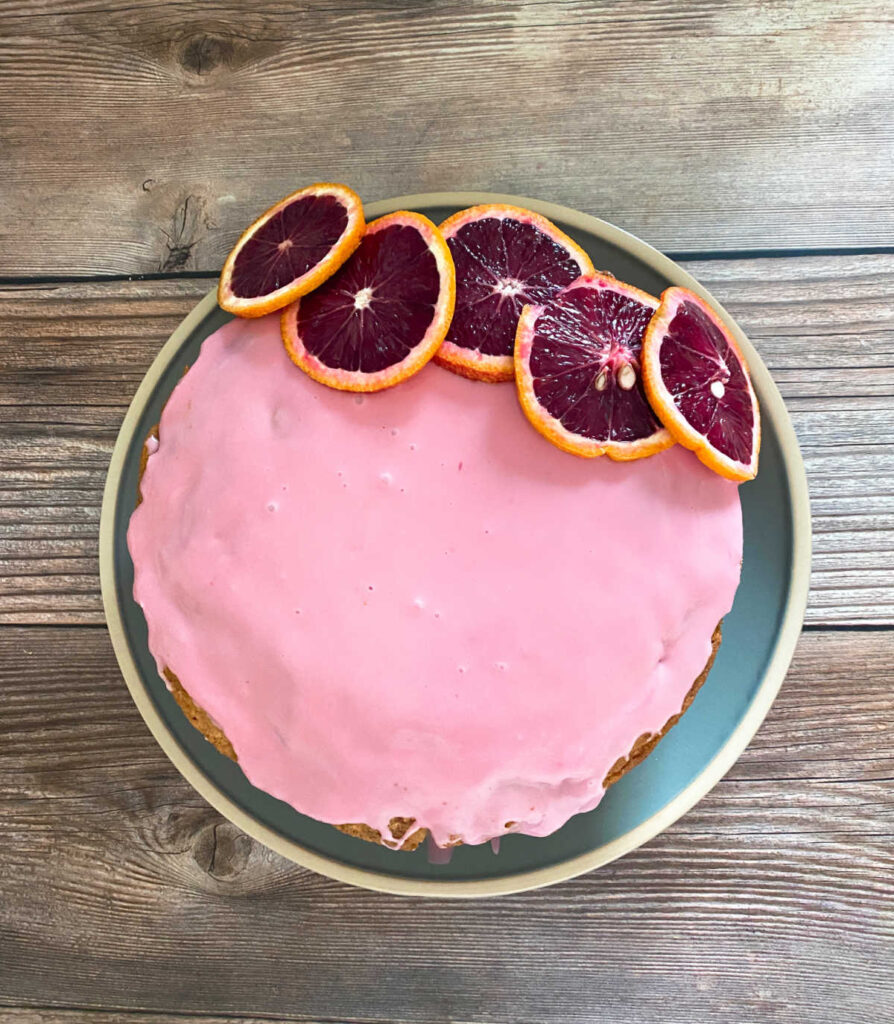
[772, 407]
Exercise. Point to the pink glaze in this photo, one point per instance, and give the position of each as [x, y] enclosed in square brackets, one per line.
[410, 603]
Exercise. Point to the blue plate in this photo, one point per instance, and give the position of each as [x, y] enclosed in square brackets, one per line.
[759, 634]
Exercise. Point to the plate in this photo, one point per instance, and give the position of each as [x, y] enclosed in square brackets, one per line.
[759, 634]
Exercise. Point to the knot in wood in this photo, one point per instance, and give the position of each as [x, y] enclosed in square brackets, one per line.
[222, 850]
[201, 54]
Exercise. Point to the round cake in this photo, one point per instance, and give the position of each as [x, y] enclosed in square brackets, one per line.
[405, 612]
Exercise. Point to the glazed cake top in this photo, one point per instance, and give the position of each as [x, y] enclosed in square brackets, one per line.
[409, 603]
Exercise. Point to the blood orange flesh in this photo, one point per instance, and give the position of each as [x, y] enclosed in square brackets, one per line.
[382, 315]
[578, 370]
[288, 245]
[290, 249]
[697, 381]
[505, 258]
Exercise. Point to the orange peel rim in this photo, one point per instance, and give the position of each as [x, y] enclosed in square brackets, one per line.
[663, 404]
[347, 242]
[422, 351]
[547, 424]
[471, 363]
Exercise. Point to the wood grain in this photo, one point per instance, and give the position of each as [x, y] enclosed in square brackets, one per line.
[71, 356]
[54, 1015]
[140, 136]
[121, 889]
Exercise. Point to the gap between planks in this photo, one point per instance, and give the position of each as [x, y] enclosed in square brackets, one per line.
[66, 1014]
[682, 256]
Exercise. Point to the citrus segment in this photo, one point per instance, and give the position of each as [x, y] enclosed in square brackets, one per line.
[291, 249]
[382, 316]
[577, 368]
[505, 258]
[698, 384]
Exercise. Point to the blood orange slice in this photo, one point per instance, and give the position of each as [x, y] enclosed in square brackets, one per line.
[697, 382]
[382, 316]
[577, 368]
[291, 249]
[505, 258]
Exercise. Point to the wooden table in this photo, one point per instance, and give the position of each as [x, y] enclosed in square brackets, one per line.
[752, 141]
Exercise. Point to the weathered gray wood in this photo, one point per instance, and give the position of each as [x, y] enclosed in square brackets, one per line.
[52, 1015]
[141, 136]
[769, 901]
[824, 325]
[138, 136]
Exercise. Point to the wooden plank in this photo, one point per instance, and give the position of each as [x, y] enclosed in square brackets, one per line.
[72, 355]
[164, 128]
[120, 887]
[53, 1015]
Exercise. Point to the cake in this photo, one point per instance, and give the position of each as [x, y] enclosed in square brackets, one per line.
[404, 613]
